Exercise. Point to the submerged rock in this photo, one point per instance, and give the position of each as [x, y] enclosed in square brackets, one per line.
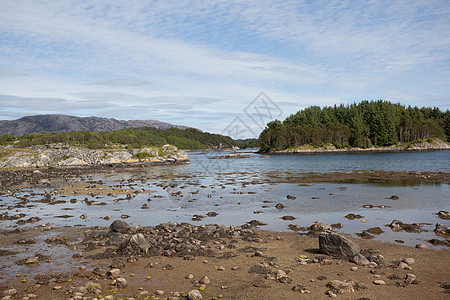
[397, 225]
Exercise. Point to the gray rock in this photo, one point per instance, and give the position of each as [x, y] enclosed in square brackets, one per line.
[334, 244]
[441, 229]
[10, 292]
[113, 273]
[136, 244]
[409, 260]
[403, 265]
[119, 226]
[360, 259]
[410, 278]
[204, 280]
[341, 287]
[121, 283]
[195, 295]
[319, 227]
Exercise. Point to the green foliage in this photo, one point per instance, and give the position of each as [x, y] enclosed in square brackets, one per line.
[248, 143]
[142, 155]
[189, 139]
[7, 139]
[378, 123]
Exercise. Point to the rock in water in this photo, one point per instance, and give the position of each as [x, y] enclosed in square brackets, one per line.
[333, 244]
[119, 226]
[136, 244]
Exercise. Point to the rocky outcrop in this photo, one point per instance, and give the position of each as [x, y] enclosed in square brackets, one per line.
[436, 144]
[62, 155]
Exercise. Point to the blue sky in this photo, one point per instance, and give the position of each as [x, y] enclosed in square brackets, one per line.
[200, 63]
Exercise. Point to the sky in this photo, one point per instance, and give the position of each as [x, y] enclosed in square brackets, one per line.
[216, 65]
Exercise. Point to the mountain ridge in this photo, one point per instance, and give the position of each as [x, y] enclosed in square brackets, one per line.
[67, 123]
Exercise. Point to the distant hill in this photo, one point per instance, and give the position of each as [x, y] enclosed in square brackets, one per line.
[64, 123]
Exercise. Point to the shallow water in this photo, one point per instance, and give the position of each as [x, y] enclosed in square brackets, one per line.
[240, 190]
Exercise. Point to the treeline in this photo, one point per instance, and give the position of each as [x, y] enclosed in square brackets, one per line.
[132, 137]
[364, 124]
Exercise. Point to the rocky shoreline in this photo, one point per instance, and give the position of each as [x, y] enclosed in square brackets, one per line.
[59, 155]
[183, 261]
[436, 145]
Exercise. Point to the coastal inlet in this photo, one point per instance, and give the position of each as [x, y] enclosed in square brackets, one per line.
[358, 192]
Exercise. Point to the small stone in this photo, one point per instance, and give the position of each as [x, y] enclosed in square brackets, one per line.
[113, 273]
[32, 260]
[403, 265]
[10, 292]
[353, 268]
[421, 246]
[221, 268]
[326, 262]
[379, 282]
[258, 253]
[121, 283]
[373, 264]
[189, 276]
[195, 295]
[410, 278]
[235, 268]
[359, 259]
[409, 260]
[159, 292]
[204, 280]
[57, 287]
[376, 276]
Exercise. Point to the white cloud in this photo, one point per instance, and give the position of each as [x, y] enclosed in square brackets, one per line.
[208, 60]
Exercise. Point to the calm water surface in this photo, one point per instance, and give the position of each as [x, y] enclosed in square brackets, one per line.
[240, 190]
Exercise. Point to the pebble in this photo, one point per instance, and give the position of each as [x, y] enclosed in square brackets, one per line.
[235, 268]
[379, 282]
[159, 292]
[421, 246]
[409, 260]
[403, 265]
[373, 264]
[221, 268]
[195, 295]
[57, 287]
[121, 283]
[189, 276]
[204, 280]
[113, 273]
[410, 278]
[10, 292]
[353, 268]
[258, 253]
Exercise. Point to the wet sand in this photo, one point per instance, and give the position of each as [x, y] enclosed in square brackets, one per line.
[233, 277]
[70, 264]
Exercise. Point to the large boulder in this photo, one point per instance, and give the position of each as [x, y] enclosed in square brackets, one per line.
[119, 226]
[334, 244]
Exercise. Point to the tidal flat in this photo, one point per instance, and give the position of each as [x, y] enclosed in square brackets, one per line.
[267, 195]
